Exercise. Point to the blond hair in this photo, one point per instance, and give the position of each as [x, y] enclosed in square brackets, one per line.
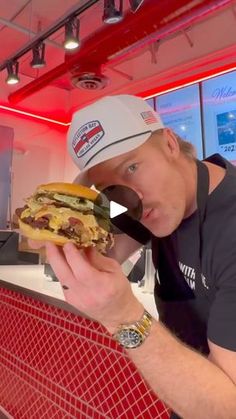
[185, 146]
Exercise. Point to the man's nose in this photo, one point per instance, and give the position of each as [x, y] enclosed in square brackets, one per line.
[138, 192]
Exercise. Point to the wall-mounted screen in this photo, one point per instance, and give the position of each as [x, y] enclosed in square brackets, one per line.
[180, 110]
[219, 115]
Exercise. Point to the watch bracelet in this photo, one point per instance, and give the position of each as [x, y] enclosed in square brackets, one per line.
[143, 324]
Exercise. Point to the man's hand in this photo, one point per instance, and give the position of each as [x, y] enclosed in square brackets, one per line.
[190, 384]
[94, 284]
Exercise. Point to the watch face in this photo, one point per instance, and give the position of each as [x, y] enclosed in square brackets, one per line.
[130, 338]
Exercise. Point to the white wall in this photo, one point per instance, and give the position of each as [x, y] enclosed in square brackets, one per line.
[38, 155]
[71, 170]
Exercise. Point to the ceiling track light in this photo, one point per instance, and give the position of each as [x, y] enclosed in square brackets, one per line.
[12, 70]
[111, 14]
[38, 60]
[72, 34]
[135, 4]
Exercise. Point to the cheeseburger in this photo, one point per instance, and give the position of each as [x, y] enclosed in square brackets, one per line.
[63, 212]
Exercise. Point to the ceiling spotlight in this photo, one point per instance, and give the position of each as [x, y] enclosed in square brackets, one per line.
[111, 14]
[135, 4]
[38, 56]
[71, 34]
[12, 70]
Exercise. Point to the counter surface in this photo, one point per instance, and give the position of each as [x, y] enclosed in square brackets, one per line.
[30, 280]
[55, 363]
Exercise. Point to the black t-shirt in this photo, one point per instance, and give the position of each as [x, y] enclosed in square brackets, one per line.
[196, 290]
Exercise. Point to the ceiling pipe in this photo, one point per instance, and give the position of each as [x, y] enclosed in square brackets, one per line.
[153, 17]
[178, 25]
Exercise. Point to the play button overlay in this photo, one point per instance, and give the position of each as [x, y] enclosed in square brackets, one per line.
[116, 209]
[123, 206]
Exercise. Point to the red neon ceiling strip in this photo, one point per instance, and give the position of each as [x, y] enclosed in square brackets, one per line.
[196, 78]
[33, 115]
[197, 64]
[146, 94]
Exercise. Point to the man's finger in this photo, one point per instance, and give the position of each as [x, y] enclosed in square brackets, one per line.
[36, 244]
[79, 263]
[59, 265]
[101, 262]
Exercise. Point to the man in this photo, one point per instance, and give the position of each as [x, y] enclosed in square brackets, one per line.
[188, 357]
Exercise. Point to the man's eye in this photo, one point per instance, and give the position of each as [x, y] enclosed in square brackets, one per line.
[132, 168]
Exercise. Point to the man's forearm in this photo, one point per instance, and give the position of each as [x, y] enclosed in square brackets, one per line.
[186, 381]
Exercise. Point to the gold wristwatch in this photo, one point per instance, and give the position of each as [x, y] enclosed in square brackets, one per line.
[133, 335]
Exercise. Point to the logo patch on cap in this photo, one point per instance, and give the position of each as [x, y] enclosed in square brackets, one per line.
[149, 117]
[86, 137]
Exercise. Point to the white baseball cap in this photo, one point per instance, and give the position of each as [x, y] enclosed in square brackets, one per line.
[108, 128]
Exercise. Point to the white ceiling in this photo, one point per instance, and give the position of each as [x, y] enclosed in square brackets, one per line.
[204, 45]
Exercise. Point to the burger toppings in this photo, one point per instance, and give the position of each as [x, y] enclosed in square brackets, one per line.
[68, 215]
[57, 199]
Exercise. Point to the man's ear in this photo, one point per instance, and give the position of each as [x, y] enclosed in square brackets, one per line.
[172, 147]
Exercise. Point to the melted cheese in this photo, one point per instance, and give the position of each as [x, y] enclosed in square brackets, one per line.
[33, 205]
[26, 213]
[60, 216]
